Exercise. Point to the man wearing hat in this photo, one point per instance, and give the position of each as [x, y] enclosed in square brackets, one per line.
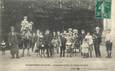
[47, 40]
[97, 41]
[63, 45]
[13, 43]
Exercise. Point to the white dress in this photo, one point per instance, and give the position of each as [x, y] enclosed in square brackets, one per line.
[84, 47]
[24, 24]
[89, 39]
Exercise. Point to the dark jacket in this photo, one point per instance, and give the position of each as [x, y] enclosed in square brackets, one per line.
[47, 40]
[63, 42]
[97, 37]
[12, 39]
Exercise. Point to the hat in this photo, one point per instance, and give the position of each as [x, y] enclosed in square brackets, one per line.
[70, 29]
[75, 30]
[31, 22]
[97, 28]
[12, 27]
[41, 36]
[25, 17]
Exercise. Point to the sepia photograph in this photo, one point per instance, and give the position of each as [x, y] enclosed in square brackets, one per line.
[57, 35]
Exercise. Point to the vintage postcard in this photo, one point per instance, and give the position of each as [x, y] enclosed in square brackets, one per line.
[57, 35]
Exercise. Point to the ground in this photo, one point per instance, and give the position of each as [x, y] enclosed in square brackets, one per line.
[76, 63]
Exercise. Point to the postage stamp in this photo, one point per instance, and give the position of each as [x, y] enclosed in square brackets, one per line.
[103, 9]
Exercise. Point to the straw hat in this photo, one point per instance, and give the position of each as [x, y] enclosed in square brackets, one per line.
[97, 28]
[75, 30]
[69, 29]
[25, 17]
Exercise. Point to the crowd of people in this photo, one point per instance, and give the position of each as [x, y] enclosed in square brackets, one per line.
[49, 44]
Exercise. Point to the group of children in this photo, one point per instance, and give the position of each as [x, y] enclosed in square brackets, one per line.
[86, 46]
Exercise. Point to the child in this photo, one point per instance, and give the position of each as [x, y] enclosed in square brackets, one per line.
[84, 48]
[54, 43]
[3, 46]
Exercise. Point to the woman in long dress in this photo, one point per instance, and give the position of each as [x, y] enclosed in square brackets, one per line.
[90, 42]
[84, 48]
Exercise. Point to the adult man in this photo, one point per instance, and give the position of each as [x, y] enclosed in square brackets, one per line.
[47, 40]
[97, 41]
[63, 46]
[108, 40]
[82, 36]
[13, 43]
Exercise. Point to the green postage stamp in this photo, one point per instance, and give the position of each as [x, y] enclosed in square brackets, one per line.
[103, 9]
